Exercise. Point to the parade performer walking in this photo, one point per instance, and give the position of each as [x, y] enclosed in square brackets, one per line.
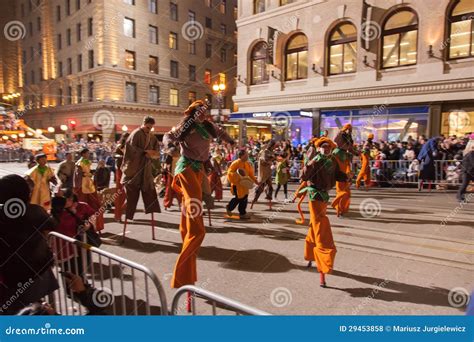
[282, 175]
[39, 178]
[120, 196]
[140, 149]
[364, 173]
[345, 146]
[65, 172]
[240, 174]
[321, 174]
[85, 189]
[215, 174]
[265, 162]
[194, 135]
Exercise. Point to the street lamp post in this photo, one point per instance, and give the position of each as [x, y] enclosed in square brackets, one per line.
[219, 91]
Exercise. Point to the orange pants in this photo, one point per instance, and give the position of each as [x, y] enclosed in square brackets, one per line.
[319, 244]
[191, 228]
[364, 172]
[216, 185]
[170, 193]
[119, 202]
[343, 197]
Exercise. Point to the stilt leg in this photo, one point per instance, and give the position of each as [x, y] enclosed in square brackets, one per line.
[124, 229]
[153, 226]
[209, 214]
[270, 204]
[300, 211]
[310, 263]
[189, 304]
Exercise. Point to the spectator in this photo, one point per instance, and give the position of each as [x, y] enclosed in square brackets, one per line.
[101, 176]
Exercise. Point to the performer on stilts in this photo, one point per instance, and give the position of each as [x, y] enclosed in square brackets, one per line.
[364, 173]
[119, 202]
[309, 155]
[137, 172]
[345, 147]
[265, 162]
[321, 174]
[85, 190]
[170, 165]
[194, 135]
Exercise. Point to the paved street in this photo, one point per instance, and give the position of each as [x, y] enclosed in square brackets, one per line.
[401, 253]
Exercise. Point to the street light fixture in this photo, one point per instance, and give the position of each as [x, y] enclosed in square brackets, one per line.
[124, 128]
[63, 128]
[219, 89]
[51, 129]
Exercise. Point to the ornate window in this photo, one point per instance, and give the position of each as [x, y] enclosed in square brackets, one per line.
[259, 61]
[296, 57]
[461, 29]
[342, 49]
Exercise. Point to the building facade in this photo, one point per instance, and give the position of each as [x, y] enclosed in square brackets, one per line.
[99, 66]
[394, 68]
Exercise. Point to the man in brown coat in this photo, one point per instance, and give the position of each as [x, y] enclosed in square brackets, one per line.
[140, 148]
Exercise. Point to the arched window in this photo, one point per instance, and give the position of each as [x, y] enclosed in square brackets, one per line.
[259, 61]
[258, 6]
[399, 39]
[461, 29]
[342, 47]
[296, 57]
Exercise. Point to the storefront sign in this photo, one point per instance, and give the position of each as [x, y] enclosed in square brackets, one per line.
[264, 115]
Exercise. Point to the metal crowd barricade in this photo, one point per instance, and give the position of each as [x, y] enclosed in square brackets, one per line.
[217, 301]
[133, 288]
[407, 172]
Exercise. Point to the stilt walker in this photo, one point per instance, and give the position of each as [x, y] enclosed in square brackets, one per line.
[345, 146]
[309, 155]
[321, 174]
[364, 173]
[85, 189]
[265, 161]
[137, 172]
[119, 202]
[194, 135]
[170, 166]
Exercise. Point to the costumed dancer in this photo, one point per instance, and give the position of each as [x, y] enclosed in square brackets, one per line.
[141, 147]
[345, 147]
[364, 173]
[170, 166]
[85, 189]
[321, 174]
[426, 157]
[120, 197]
[240, 174]
[194, 135]
[282, 175]
[39, 178]
[265, 162]
[215, 174]
[65, 171]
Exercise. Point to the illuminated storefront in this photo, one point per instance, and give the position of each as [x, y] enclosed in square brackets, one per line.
[388, 124]
[296, 126]
[457, 119]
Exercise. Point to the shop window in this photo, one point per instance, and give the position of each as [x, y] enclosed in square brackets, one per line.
[457, 122]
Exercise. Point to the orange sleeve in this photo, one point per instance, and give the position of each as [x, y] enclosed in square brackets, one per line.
[231, 172]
